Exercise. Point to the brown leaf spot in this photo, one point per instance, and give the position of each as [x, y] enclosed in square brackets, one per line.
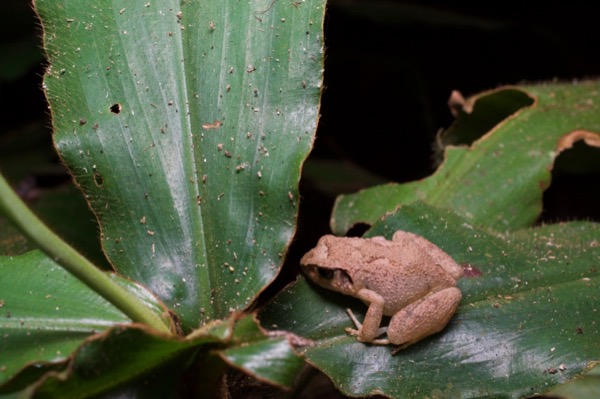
[215, 125]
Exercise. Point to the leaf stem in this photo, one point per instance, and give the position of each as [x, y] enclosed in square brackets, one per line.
[66, 256]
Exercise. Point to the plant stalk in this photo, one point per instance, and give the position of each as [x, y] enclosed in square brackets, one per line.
[66, 256]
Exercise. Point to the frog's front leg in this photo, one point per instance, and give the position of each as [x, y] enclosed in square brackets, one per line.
[369, 329]
[423, 318]
[356, 333]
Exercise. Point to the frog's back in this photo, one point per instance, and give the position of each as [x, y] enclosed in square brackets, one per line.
[401, 275]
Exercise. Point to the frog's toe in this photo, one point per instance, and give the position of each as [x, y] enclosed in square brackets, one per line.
[353, 332]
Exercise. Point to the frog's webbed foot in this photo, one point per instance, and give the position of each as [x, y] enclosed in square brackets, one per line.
[358, 334]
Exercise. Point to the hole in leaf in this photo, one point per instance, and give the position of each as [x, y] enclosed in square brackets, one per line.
[116, 108]
[574, 192]
[474, 119]
[358, 230]
[98, 179]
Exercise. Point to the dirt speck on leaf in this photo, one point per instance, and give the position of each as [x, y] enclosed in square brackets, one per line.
[215, 125]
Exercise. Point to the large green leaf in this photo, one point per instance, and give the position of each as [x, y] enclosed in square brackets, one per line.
[46, 313]
[498, 181]
[527, 321]
[134, 362]
[185, 124]
[125, 359]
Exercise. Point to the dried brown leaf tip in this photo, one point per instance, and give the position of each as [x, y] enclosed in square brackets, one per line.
[590, 138]
[457, 103]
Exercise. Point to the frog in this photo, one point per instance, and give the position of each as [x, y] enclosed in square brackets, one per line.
[408, 278]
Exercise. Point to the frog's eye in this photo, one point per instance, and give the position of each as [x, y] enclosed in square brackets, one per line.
[327, 274]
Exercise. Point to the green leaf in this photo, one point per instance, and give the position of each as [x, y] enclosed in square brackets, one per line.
[499, 180]
[267, 358]
[186, 124]
[45, 313]
[72, 261]
[134, 361]
[124, 359]
[527, 321]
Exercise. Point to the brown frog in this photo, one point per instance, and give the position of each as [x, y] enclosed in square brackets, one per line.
[409, 278]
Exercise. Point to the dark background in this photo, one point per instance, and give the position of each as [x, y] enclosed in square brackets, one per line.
[391, 66]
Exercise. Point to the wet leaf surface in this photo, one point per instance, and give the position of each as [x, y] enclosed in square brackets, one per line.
[527, 321]
[187, 138]
[46, 313]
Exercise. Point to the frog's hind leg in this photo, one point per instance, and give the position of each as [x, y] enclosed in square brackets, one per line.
[423, 318]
